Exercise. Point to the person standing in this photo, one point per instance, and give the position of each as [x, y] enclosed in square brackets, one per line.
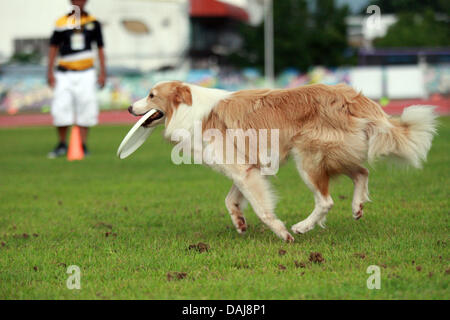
[75, 81]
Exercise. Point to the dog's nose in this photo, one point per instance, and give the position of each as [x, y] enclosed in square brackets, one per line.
[130, 109]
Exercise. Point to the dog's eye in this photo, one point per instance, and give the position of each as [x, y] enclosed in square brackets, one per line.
[151, 95]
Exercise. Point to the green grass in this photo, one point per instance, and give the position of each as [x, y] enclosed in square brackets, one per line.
[156, 210]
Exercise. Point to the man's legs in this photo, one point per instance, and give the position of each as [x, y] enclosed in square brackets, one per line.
[62, 134]
[86, 103]
[61, 148]
[84, 135]
[62, 112]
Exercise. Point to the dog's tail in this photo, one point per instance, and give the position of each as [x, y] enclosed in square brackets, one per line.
[407, 138]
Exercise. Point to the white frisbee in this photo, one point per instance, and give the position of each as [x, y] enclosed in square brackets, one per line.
[136, 136]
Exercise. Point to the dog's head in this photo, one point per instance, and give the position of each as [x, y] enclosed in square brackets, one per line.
[165, 97]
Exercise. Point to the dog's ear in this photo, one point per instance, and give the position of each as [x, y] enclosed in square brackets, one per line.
[183, 95]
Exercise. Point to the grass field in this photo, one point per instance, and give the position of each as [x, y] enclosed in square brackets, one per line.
[128, 223]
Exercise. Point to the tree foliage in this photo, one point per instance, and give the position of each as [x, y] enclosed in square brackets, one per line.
[303, 36]
[422, 23]
[413, 30]
[402, 6]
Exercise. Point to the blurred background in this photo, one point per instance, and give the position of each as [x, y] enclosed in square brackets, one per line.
[396, 52]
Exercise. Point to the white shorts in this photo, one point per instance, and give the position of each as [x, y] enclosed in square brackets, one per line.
[75, 99]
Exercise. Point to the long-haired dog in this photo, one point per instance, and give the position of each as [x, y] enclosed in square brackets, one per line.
[329, 131]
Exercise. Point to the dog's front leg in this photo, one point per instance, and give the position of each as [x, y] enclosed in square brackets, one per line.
[256, 189]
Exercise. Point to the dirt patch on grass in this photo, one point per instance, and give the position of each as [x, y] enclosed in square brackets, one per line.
[199, 247]
[171, 276]
[282, 252]
[316, 257]
[360, 255]
[299, 264]
[110, 234]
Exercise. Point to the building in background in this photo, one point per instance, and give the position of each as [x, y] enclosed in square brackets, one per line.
[143, 34]
[360, 33]
[214, 33]
[139, 34]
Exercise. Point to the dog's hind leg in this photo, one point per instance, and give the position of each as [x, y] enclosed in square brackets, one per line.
[360, 177]
[317, 181]
[256, 189]
[236, 203]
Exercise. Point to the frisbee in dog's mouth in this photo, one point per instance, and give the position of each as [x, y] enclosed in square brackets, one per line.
[155, 116]
[139, 133]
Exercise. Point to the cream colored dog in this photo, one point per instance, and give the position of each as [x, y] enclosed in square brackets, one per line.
[329, 130]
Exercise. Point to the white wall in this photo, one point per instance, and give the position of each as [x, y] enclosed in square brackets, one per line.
[405, 82]
[368, 80]
[394, 82]
[162, 46]
[27, 19]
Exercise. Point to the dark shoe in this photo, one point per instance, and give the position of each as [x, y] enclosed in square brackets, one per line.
[59, 151]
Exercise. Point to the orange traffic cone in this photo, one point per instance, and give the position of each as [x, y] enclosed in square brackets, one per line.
[75, 151]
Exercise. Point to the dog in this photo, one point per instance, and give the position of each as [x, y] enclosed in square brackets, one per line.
[329, 131]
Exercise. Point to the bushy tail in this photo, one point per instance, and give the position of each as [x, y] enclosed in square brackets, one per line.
[407, 138]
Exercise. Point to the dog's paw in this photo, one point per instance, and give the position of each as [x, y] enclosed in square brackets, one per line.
[280, 230]
[358, 212]
[302, 227]
[239, 223]
[322, 222]
[289, 238]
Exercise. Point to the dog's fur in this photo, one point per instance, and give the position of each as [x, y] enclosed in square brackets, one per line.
[329, 130]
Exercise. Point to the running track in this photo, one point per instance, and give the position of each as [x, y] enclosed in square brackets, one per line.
[123, 117]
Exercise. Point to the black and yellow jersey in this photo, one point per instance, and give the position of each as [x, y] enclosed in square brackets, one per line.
[74, 39]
